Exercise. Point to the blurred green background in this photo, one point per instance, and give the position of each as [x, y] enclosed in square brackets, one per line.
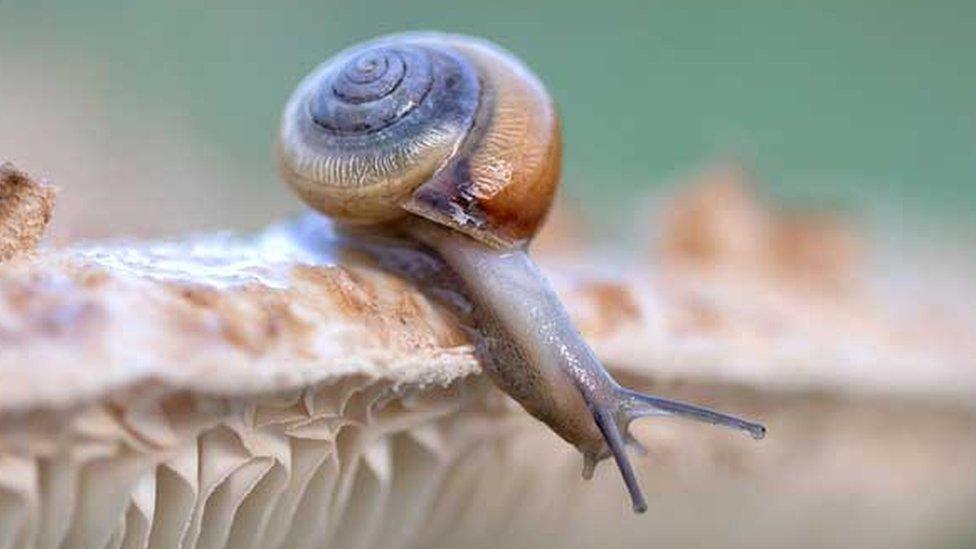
[165, 111]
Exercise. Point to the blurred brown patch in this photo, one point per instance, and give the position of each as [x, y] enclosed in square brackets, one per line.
[565, 231]
[25, 211]
[817, 247]
[721, 223]
[605, 308]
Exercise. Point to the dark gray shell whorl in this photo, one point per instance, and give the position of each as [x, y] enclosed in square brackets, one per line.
[373, 121]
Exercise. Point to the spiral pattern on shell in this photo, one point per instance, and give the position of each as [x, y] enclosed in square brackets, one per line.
[379, 93]
[373, 90]
[372, 123]
[446, 127]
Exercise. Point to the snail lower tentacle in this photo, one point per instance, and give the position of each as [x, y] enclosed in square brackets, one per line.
[456, 142]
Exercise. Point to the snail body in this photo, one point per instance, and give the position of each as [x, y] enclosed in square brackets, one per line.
[454, 141]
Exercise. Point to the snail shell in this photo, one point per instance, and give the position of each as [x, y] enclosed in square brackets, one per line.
[451, 128]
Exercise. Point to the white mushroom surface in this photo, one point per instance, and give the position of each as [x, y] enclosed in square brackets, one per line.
[282, 390]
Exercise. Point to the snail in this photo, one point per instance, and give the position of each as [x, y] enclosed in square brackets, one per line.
[455, 142]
